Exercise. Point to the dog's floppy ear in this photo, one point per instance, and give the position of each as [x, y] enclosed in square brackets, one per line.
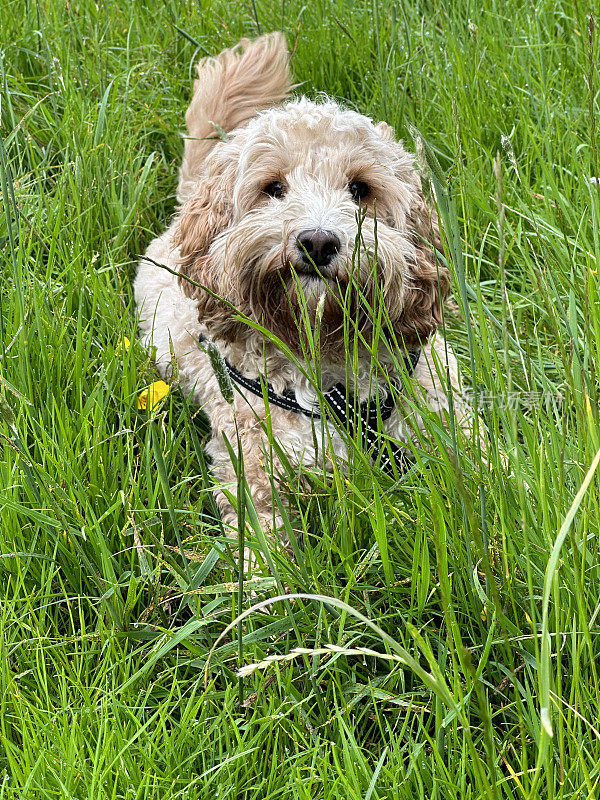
[416, 294]
[428, 282]
[202, 218]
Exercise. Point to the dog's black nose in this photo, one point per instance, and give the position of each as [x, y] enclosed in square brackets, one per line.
[317, 246]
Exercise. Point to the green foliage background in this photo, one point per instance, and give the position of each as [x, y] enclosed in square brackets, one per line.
[485, 571]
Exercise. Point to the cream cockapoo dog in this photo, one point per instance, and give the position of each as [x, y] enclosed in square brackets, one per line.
[292, 209]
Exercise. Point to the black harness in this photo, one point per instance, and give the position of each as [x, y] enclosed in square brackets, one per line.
[342, 405]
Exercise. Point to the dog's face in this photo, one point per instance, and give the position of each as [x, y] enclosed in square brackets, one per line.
[307, 205]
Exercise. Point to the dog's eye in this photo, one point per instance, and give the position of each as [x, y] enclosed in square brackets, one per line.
[359, 190]
[275, 189]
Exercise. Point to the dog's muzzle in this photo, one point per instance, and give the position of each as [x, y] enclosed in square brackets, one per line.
[317, 250]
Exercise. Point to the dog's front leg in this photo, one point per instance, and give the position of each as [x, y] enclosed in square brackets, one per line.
[257, 474]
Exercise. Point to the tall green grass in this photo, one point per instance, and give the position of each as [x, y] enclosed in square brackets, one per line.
[481, 575]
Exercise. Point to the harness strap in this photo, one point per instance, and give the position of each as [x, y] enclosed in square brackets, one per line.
[343, 407]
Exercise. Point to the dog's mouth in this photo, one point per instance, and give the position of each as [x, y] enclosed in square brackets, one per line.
[279, 292]
[314, 281]
[332, 274]
[310, 271]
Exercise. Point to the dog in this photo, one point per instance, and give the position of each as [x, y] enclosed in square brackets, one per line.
[297, 220]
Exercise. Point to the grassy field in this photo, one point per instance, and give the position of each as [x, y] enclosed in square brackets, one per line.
[482, 577]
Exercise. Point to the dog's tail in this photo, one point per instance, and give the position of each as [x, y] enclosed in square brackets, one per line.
[230, 89]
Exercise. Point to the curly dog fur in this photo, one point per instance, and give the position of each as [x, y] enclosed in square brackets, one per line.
[264, 177]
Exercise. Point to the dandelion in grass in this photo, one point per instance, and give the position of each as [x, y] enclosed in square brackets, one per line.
[151, 397]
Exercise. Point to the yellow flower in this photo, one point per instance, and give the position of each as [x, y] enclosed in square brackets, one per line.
[124, 344]
[152, 396]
